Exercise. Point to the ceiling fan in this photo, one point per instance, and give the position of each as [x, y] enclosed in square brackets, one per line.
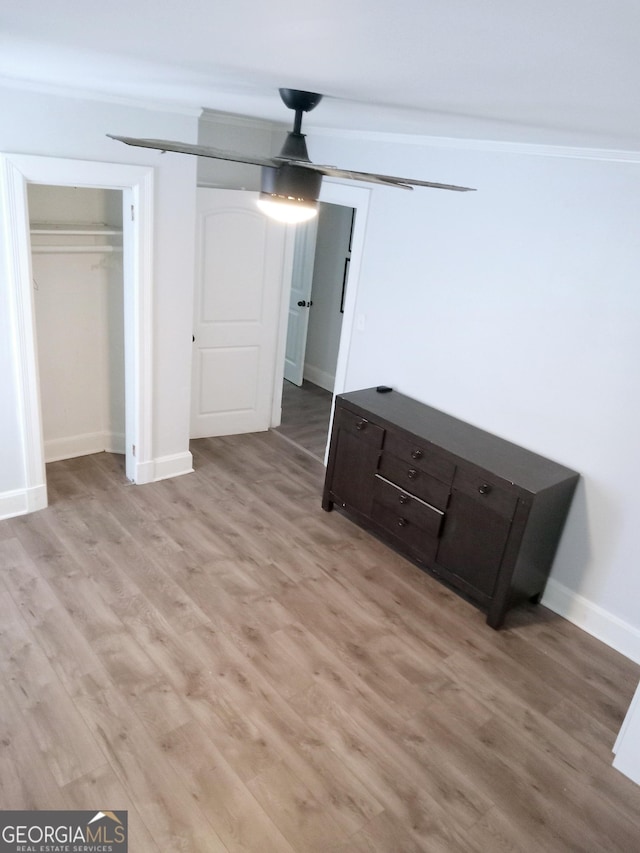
[290, 181]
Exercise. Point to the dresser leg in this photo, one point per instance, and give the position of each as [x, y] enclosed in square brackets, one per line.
[495, 617]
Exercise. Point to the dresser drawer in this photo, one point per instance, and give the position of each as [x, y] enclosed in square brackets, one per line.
[414, 480]
[358, 426]
[415, 454]
[422, 543]
[486, 490]
[407, 507]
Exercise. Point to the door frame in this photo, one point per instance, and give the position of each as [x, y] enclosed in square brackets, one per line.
[136, 184]
[346, 195]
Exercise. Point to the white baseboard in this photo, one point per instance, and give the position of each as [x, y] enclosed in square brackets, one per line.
[173, 466]
[22, 501]
[593, 619]
[82, 445]
[114, 442]
[319, 377]
[145, 473]
[164, 467]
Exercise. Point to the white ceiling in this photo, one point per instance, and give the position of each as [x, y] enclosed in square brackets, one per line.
[541, 71]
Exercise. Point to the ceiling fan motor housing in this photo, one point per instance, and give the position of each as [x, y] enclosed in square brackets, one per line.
[291, 182]
[295, 147]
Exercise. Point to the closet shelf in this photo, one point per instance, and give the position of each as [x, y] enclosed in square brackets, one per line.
[73, 250]
[90, 238]
[92, 230]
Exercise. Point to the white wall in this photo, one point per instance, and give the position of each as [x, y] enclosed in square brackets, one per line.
[58, 126]
[74, 205]
[517, 308]
[240, 134]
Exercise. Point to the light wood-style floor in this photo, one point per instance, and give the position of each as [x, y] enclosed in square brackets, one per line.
[305, 416]
[244, 672]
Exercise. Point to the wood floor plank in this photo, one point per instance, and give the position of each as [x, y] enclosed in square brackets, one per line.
[103, 786]
[26, 781]
[427, 804]
[301, 818]
[305, 417]
[598, 692]
[303, 753]
[350, 633]
[382, 834]
[164, 805]
[61, 734]
[241, 822]
[243, 671]
[199, 684]
[541, 772]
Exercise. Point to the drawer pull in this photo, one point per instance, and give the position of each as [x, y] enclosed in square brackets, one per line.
[416, 454]
[404, 499]
[402, 522]
[484, 489]
[412, 473]
[361, 424]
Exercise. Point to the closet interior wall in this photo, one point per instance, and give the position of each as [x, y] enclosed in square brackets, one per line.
[76, 243]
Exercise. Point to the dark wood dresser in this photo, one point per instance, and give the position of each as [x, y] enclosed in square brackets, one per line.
[478, 512]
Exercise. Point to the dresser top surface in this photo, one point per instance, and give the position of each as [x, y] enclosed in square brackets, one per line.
[509, 461]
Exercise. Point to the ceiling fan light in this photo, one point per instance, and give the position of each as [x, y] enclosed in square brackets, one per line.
[287, 209]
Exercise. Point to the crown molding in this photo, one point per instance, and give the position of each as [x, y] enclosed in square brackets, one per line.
[77, 93]
[236, 120]
[574, 152]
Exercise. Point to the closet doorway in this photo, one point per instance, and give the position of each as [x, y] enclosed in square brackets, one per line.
[78, 294]
[135, 186]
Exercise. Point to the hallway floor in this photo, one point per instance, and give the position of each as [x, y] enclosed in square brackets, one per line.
[305, 417]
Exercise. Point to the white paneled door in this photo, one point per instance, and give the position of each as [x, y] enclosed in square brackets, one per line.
[240, 272]
[300, 301]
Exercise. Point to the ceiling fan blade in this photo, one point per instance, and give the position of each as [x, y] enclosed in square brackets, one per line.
[388, 180]
[274, 162]
[198, 150]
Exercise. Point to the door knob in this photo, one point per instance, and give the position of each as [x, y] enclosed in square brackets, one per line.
[303, 304]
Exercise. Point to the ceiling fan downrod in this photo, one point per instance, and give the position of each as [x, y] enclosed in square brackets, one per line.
[300, 102]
